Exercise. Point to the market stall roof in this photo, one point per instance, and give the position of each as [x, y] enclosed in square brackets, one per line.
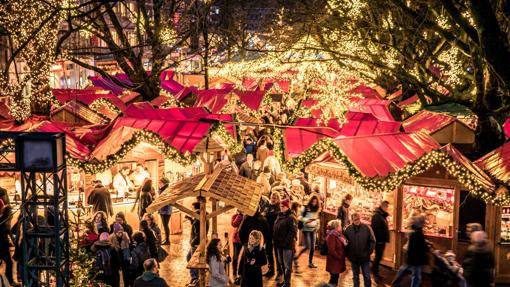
[74, 146]
[382, 155]
[309, 132]
[497, 163]
[78, 110]
[477, 171]
[377, 107]
[223, 185]
[430, 122]
[181, 135]
[87, 96]
[216, 99]
[367, 92]
[107, 84]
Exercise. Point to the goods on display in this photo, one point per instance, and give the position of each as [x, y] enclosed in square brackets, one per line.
[436, 204]
[505, 224]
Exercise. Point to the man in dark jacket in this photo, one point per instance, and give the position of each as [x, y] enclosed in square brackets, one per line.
[150, 278]
[271, 213]
[343, 211]
[478, 261]
[417, 250]
[382, 234]
[250, 223]
[284, 239]
[360, 244]
[100, 199]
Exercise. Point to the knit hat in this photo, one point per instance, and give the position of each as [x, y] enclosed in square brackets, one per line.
[285, 202]
[104, 236]
[117, 228]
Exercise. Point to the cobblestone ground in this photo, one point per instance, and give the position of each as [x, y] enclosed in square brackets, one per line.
[175, 272]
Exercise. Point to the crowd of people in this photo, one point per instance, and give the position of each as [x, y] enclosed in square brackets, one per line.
[289, 213]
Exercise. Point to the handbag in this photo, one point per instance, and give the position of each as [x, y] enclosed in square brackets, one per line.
[162, 254]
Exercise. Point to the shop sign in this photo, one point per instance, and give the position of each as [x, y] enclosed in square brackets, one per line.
[330, 172]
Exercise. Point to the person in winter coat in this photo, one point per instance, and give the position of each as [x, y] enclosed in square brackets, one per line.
[478, 261]
[150, 278]
[335, 261]
[247, 169]
[417, 253]
[90, 236]
[120, 218]
[284, 239]
[310, 218]
[361, 244]
[263, 179]
[271, 214]
[107, 262]
[149, 217]
[237, 218]
[100, 199]
[145, 196]
[165, 212]
[138, 255]
[151, 239]
[120, 241]
[100, 219]
[262, 151]
[254, 259]
[217, 275]
[343, 211]
[382, 234]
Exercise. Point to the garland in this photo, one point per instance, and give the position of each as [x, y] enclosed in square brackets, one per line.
[96, 105]
[232, 144]
[394, 180]
[138, 137]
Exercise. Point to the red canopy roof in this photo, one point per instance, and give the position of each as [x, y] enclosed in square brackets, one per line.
[182, 135]
[87, 96]
[428, 121]
[497, 163]
[216, 99]
[367, 92]
[381, 155]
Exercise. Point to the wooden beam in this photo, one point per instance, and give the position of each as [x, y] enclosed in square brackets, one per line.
[186, 210]
[219, 211]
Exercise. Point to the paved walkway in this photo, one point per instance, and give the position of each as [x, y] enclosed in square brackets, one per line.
[175, 272]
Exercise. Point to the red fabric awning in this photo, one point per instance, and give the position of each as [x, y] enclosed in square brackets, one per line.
[366, 92]
[497, 163]
[381, 155]
[213, 99]
[182, 135]
[87, 96]
[428, 121]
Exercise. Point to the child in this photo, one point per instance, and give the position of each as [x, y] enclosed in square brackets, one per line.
[254, 259]
[217, 276]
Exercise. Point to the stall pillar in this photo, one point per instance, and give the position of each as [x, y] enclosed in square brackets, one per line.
[208, 159]
[203, 239]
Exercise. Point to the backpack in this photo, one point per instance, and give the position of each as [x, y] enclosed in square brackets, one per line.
[104, 261]
[138, 256]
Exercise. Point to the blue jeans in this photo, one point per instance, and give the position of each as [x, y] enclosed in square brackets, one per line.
[285, 257]
[193, 272]
[416, 274]
[309, 237]
[365, 269]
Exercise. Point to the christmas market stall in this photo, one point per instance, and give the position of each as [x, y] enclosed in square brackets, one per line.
[410, 170]
[497, 165]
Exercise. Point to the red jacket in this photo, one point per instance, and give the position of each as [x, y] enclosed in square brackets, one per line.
[236, 222]
[335, 262]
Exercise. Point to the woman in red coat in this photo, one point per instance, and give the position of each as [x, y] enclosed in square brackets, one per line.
[335, 262]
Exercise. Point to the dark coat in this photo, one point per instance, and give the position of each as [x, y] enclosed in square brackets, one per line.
[151, 241]
[360, 242]
[380, 226]
[271, 215]
[250, 223]
[246, 171]
[113, 279]
[417, 249]
[478, 266]
[101, 200]
[343, 215]
[138, 255]
[335, 261]
[285, 231]
[149, 279]
[195, 231]
[252, 274]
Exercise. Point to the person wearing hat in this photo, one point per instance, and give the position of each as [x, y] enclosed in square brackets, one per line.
[121, 243]
[107, 262]
[165, 212]
[120, 218]
[284, 240]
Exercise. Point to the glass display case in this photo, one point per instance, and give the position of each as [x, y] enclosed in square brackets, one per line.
[436, 204]
[505, 225]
